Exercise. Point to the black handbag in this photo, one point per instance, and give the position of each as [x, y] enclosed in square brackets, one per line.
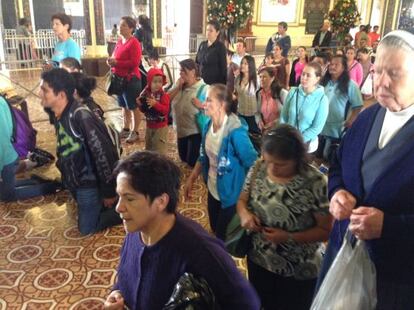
[238, 240]
[115, 84]
[191, 293]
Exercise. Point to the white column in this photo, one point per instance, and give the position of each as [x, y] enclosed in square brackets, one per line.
[5, 83]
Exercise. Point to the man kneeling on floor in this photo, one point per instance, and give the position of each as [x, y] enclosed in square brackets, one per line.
[86, 155]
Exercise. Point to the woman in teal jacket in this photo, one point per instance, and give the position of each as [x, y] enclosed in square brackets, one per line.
[306, 107]
[226, 154]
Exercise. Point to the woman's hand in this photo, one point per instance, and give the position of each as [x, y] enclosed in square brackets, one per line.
[197, 103]
[180, 83]
[110, 202]
[341, 205]
[249, 221]
[111, 62]
[366, 223]
[188, 187]
[47, 67]
[275, 235]
[115, 301]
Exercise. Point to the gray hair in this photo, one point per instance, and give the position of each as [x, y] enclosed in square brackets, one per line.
[399, 39]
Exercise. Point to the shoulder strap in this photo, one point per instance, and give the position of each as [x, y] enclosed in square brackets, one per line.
[297, 108]
[71, 116]
[365, 79]
[254, 173]
[353, 65]
[200, 90]
[13, 118]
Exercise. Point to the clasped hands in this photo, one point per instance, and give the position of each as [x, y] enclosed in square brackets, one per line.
[365, 222]
[251, 222]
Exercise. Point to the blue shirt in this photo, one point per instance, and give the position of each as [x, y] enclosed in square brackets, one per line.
[64, 49]
[7, 152]
[337, 106]
[306, 112]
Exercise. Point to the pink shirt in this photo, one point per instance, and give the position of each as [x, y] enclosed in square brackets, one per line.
[270, 108]
[299, 66]
[356, 72]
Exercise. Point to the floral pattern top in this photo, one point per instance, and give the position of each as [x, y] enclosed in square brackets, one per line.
[290, 207]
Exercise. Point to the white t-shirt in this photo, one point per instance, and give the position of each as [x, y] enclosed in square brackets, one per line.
[393, 122]
[213, 144]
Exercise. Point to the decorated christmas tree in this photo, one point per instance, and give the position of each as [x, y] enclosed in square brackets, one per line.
[343, 17]
[231, 14]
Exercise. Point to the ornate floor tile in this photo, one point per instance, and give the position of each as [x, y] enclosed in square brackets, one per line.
[39, 305]
[24, 254]
[10, 278]
[107, 253]
[53, 279]
[40, 232]
[72, 233]
[90, 303]
[67, 253]
[100, 278]
[6, 231]
[15, 215]
[193, 213]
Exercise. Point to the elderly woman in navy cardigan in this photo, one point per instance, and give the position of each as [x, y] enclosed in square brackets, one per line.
[371, 180]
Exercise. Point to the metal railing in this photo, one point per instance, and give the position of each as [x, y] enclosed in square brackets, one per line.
[30, 52]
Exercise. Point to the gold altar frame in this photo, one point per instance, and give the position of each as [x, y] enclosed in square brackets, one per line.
[292, 19]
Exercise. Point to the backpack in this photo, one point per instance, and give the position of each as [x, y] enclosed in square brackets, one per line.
[110, 129]
[24, 135]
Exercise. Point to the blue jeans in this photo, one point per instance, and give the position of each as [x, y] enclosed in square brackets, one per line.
[129, 96]
[93, 216]
[12, 189]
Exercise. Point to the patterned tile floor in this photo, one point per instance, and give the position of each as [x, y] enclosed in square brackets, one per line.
[44, 262]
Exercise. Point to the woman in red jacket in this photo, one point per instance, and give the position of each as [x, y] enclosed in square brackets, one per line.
[125, 62]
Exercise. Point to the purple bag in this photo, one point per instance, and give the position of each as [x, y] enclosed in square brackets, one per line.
[24, 135]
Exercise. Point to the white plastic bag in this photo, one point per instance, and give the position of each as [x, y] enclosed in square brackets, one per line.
[350, 282]
[368, 86]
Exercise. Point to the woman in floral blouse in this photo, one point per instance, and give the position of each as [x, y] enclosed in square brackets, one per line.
[284, 203]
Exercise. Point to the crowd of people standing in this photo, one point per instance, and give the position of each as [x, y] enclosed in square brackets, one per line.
[309, 109]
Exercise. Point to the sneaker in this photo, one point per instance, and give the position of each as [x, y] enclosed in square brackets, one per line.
[40, 158]
[124, 133]
[133, 137]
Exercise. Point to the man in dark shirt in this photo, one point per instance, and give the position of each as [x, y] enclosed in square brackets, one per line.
[323, 37]
[86, 154]
[161, 245]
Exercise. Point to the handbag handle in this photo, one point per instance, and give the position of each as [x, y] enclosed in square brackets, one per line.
[253, 176]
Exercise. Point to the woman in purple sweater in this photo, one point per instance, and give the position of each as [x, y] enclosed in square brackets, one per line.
[162, 245]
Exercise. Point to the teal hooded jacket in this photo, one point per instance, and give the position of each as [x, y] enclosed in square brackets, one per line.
[236, 156]
[7, 152]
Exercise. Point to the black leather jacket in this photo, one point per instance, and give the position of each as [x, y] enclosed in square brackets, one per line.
[86, 155]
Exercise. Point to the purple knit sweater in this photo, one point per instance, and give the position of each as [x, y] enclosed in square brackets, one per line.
[147, 274]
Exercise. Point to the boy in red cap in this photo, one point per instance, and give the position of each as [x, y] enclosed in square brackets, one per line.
[155, 104]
